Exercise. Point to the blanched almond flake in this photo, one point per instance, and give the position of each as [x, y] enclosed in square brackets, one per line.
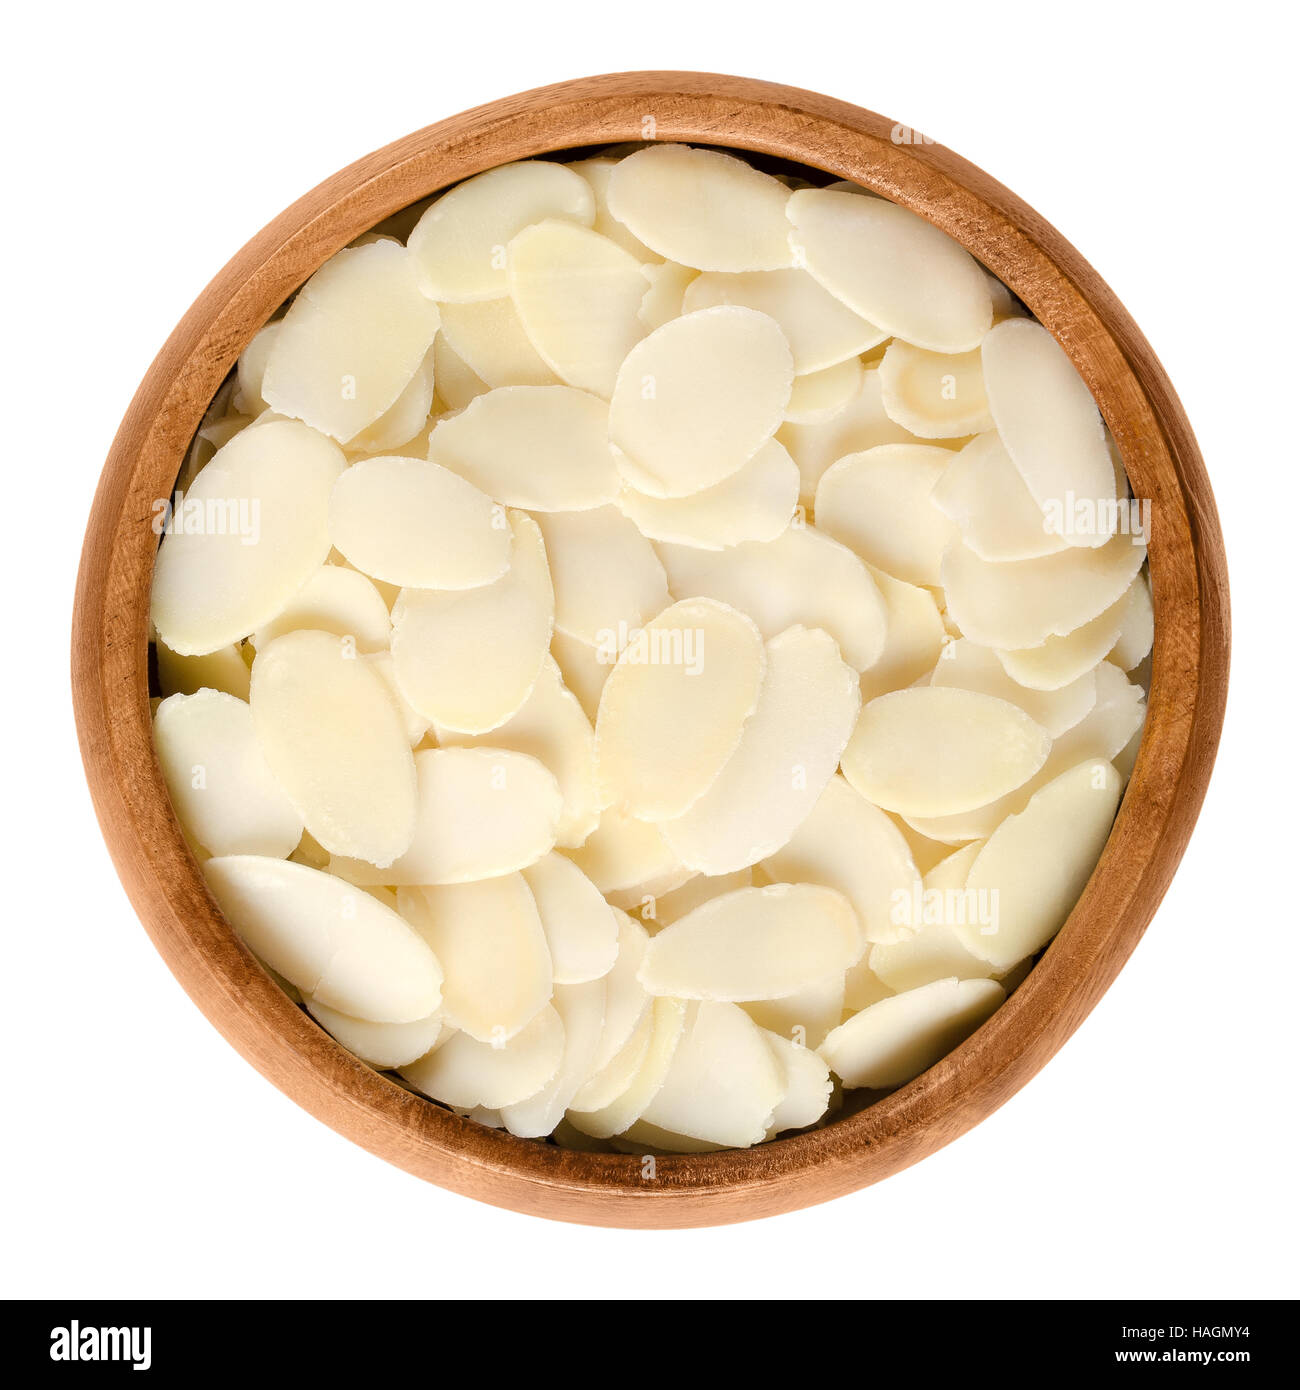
[893, 268]
[673, 708]
[581, 928]
[696, 398]
[666, 908]
[805, 1084]
[667, 1020]
[755, 943]
[821, 330]
[914, 637]
[383, 1045]
[459, 243]
[335, 742]
[1048, 421]
[404, 419]
[333, 941]
[789, 749]
[496, 965]
[597, 173]
[821, 396]
[862, 987]
[754, 504]
[221, 787]
[581, 1008]
[456, 383]
[468, 659]
[418, 525]
[701, 208]
[545, 448]
[1062, 660]
[1022, 603]
[415, 724]
[608, 579]
[1138, 631]
[982, 491]
[353, 338]
[625, 1034]
[483, 813]
[578, 296]
[931, 751]
[1037, 863]
[490, 340]
[801, 577]
[724, 1082]
[667, 293]
[337, 600]
[252, 530]
[467, 1071]
[224, 669]
[803, 1018]
[251, 368]
[897, 1039]
[861, 425]
[623, 854]
[968, 666]
[583, 668]
[848, 844]
[936, 395]
[878, 504]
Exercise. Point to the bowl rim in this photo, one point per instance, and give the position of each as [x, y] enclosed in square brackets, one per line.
[1151, 830]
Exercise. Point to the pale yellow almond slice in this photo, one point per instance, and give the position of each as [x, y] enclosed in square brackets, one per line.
[803, 1018]
[552, 727]
[545, 448]
[936, 395]
[724, 1082]
[455, 382]
[251, 368]
[383, 1045]
[597, 173]
[672, 710]
[1005, 304]
[584, 669]
[224, 669]
[984, 494]
[755, 504]
[1050, 425]
[968, 666]
[489, 940]
[404, 419]
[459, 244]
[1101, 735]
[608, 579]
[490, 341]
[470, 1072]
[667, 1019]
[468, 659]
[934, 951]
[413, 722]
[252, 529]
[1036, 864]
[666, 297]
[696, 398]
[622, 854]
[701, 208]
[893, 268]
[333, 941]
[805, 1084]
[1021, 603]
[610, 1081]
[483, 813]
[803, 576]
[1060, 661]
[643, 1138]
[788, 751]
[926, 852]
[636, 898]
[755, 943]
[353, 338]
[848, 844]
[821, 330]
[935, 751]
[221, 788]
[878, 504]
[660, 911]
[1138, 632]
[578, 295]
[336, 600]
[625, 1033]
[914, 637]
[335, 742]
[897, 1039]
[581, 1008]
[822, 395]
[862, 987]
[581, 928]
[418, 525]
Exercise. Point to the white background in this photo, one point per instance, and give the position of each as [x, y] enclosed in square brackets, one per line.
[1154, 1157]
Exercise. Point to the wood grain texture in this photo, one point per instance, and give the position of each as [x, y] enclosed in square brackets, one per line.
[110, 630]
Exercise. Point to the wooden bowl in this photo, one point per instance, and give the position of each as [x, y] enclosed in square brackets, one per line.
[1189, 683]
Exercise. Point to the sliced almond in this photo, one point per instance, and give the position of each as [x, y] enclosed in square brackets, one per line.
[581, 1008]
[935, 395]
[668, 1019]
[821, 396]
[803, 1018]
[968, 666]
[805, 1083]
[1060, 661]
[466, 1071]
[337, 600]
[383, 1045]
[983, 493]
[914, 637]
[622, 854]
[581, 928]
[1138, 631]
[488, 338]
